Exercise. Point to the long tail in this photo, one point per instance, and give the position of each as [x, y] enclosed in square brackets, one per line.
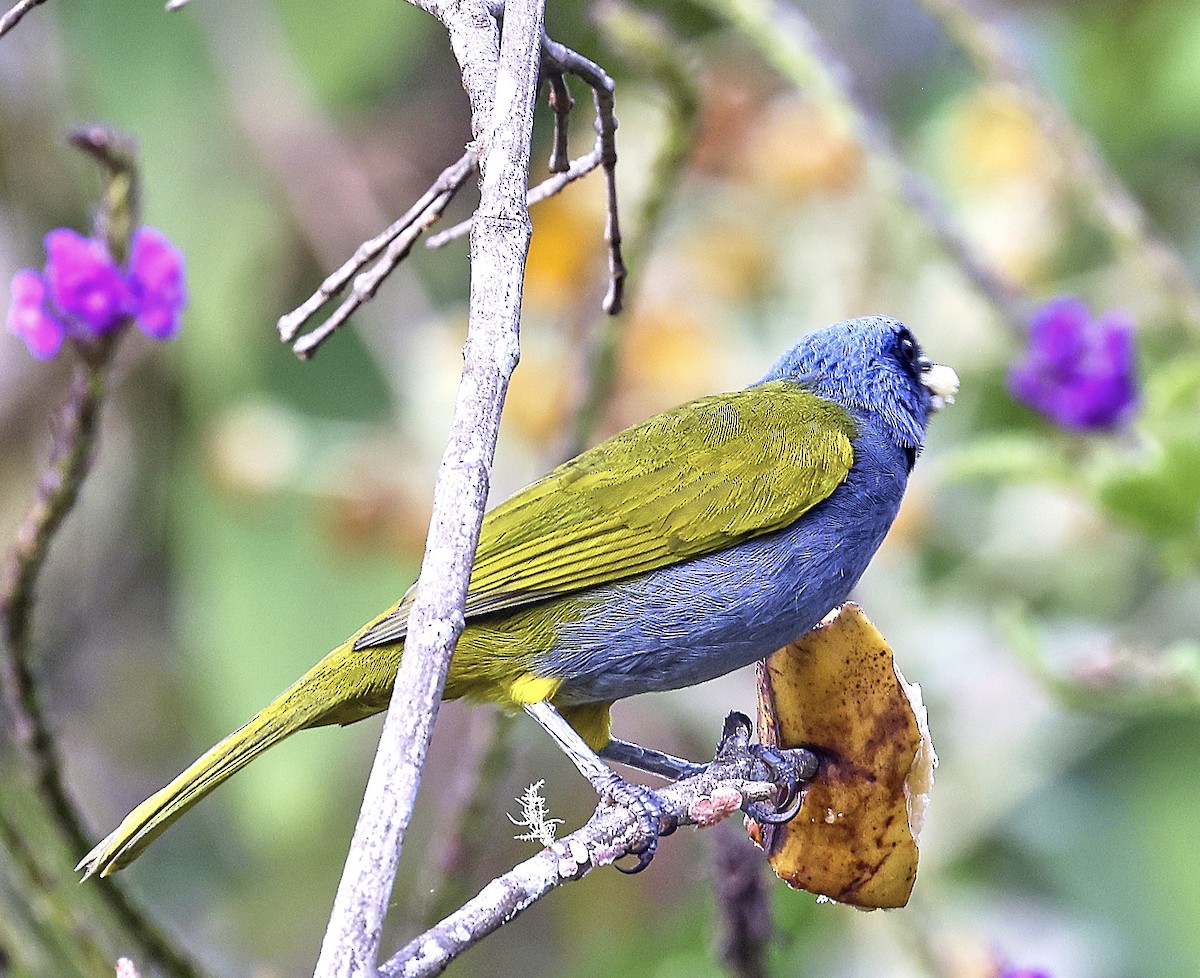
[335, 690]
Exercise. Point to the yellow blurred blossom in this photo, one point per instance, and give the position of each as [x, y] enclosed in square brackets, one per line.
[668, 356]
[567, 253]
[254, 449]
[536, 404]
[1008, 182]
[730, 260]
[994, 139]
[796, 150]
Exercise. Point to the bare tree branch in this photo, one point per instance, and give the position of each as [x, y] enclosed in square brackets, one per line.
[15, 13]
[386, 251]
[737, 778]
[376, 259]
[500, 76]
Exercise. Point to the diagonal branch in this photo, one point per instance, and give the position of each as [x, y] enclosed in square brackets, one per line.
[736, 778]
[385, 250]
[996, 59]
[16, 13]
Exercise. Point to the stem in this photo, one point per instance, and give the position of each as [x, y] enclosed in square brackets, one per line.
[73, 443]
[794, 48]
[70, 460]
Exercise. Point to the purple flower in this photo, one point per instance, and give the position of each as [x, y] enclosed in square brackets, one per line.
[84, 294]
[1078, 371]
[156, 277]
[85, 283]
[29, 318]
[1024, 973]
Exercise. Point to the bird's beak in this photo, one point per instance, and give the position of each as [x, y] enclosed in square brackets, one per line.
[941, 380]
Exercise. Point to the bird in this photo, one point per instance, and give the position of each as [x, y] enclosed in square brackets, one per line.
[683, 548]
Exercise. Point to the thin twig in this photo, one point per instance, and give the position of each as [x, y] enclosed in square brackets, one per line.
[644, 42]
[790, 43]
[561, 103]
[15, 13]
[501, 81]
[578, 168]
[562, 58]
[376, 259]
[558, 59]
[393, 244]
[998, 60]
[736, 777]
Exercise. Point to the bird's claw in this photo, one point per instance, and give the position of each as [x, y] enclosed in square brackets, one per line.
[777, 814]
[790, 772]
[652, 821]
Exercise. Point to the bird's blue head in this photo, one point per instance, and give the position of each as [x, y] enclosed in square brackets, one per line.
[872, 365]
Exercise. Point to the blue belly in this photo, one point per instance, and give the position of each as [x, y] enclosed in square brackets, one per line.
[694, 621]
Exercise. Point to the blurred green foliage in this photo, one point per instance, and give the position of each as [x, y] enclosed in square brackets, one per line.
[248, 511]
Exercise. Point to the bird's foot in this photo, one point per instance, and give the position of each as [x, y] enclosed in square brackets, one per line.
[789, 769]
[652, 820]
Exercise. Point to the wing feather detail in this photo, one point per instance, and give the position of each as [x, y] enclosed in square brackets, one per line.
[687, 482]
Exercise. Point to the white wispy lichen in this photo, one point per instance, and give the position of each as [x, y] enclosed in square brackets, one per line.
[535, 817]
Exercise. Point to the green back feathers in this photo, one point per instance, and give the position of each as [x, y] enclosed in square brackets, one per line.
[687, 482]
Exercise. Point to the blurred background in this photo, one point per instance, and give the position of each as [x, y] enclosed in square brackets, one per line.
[248, 511]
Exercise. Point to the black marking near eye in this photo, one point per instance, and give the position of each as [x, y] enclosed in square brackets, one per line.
[908, 350]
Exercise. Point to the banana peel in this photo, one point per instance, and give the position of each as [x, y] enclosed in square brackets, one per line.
[838, 692]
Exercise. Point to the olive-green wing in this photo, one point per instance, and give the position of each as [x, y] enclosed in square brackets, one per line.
[687, 482]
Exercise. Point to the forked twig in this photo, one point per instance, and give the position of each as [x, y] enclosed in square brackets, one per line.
[564, 59]
[557, 60]
[376, 259]
[393, 244]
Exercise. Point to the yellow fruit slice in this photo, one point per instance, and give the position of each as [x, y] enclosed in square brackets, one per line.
[838, 692]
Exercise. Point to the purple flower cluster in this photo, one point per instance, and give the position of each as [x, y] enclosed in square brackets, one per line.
[1078, 371]
[83, 293]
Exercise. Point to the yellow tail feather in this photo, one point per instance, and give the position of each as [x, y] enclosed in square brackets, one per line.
[309, 702]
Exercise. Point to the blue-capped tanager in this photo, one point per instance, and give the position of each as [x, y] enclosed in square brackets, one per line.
[683, 548]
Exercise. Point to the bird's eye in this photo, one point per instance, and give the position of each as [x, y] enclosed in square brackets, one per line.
[907, 348]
